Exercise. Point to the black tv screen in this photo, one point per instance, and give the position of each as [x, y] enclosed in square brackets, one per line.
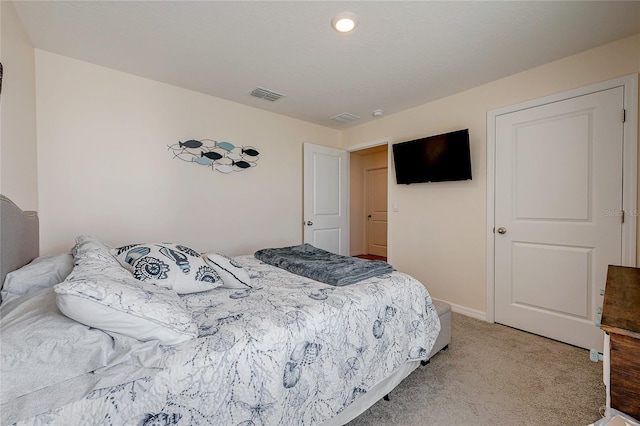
[437, 158]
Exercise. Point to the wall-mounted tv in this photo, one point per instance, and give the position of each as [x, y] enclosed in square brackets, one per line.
[436, 158]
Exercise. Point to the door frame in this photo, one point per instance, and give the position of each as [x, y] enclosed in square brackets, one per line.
[365, 145]
[629, 172]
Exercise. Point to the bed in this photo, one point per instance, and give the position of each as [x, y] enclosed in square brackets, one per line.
[284, 349]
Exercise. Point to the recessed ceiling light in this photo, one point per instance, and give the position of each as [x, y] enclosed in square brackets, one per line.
[344, 22]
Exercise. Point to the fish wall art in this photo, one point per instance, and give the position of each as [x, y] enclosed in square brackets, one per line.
[223, 157]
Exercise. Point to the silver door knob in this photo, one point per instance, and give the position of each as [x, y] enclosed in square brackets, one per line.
[309, 223]
[502, 230]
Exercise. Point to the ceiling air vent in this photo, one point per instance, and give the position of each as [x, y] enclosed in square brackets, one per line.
[345, 117]
[269, 95]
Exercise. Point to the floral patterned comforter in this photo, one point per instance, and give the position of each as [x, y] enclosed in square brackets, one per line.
[288, 351]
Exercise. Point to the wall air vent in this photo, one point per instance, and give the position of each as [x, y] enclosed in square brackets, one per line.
[269, 95]
[345, 117]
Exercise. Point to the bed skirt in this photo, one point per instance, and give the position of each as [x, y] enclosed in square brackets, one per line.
[374, 394]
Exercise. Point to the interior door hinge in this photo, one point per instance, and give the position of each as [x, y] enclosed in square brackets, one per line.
[624, 115]
[622, 216]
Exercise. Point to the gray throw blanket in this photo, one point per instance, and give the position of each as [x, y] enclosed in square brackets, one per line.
[321, 265]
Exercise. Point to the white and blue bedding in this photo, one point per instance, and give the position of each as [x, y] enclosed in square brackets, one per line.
[288, 350]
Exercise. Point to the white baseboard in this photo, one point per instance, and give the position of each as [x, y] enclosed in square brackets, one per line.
[463, 310]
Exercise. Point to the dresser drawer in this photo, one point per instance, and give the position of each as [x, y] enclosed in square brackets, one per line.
[625, 374]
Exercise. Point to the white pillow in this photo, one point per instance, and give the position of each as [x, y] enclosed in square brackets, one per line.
[42, 272]
[171, 266]
[230, 271]
[34, 330]
[44, 352]
[102, 294]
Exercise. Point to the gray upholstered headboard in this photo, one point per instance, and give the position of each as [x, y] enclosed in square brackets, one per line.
[19, 237]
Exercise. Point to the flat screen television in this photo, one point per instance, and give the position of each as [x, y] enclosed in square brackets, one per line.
[436, 158]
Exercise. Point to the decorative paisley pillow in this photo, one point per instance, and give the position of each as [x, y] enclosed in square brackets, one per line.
[230, 271]
[172, 266]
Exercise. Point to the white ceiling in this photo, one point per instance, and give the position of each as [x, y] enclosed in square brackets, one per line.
[402, 54]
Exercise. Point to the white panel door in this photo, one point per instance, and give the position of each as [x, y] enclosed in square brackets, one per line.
[326, 198]
[558, 188]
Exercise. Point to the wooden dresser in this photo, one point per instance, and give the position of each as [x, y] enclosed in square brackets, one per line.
[621, 320]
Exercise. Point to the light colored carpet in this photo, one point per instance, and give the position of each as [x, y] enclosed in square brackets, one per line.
[496, 375]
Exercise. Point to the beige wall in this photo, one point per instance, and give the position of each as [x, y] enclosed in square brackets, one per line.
[439, 233]
[105, 170]
[18, 166]
[360, 162]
